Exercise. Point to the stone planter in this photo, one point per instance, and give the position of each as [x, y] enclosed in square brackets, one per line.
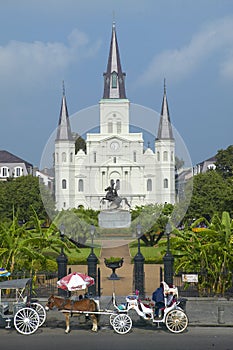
[114, 265]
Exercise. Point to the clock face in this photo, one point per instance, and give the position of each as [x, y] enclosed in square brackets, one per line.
[114, 145]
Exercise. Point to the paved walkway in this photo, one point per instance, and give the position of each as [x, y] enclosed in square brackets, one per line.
[124, 285]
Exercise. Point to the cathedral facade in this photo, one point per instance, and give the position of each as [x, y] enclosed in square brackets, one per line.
[114, 154]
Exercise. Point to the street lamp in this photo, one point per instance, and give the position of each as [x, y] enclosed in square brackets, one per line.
[139, 265]
[62, 261]
[168, 258]
[92, 232]
[92, 263]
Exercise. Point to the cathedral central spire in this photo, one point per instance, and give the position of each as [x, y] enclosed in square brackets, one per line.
[114, 78]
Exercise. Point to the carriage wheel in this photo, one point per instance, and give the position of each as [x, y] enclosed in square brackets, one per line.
[26, 321]
[41, 312]
[176, 321]
[122, 323]
[111, 318]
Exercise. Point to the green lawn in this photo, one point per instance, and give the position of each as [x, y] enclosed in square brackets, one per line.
[152, 255]
[75, 257]
[80, 258]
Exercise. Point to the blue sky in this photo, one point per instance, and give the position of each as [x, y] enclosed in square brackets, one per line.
[188, 42]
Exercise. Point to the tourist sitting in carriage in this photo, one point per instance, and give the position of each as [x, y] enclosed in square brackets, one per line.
[164, 296]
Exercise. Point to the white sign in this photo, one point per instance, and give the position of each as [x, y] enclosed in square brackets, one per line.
[190, 278]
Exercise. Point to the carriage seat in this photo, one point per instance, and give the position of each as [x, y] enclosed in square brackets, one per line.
[4, 307]
[121, 306]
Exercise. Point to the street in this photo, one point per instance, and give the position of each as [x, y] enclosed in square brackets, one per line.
[194, 338]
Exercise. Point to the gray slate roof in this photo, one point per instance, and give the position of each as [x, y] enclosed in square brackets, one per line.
[7, 157]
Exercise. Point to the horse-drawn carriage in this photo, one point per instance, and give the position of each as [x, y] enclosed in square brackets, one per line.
[173, 316]
[26, 315]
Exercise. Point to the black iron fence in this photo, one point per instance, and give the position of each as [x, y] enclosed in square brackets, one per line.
[44, 283]
[189, 285]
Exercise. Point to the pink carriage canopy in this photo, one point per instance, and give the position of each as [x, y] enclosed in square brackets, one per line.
[75, 281]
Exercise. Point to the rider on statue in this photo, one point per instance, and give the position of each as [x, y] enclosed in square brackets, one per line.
[112, 195]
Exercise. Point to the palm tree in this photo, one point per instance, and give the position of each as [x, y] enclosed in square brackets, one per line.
[208, 250]
[24, 246]
[15, 250]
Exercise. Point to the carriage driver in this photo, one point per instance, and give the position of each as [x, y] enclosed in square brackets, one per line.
[158, 298]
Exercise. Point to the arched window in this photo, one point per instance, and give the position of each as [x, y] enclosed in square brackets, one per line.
[18, 171]
[64, 184]
[172, 156]
[94, 157]
[114, 80]
[5, 171]
[165, 156]
[149, 185]
[110, 127]
[63, 157]
[114, 159]
[165, 183]
[80, 185]
[158, 156]
[71, 157]
[134, 156]
[118, 127]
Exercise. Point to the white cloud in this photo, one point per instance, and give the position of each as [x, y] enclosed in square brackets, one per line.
[214, 39]
[37, 61]
[226, 68]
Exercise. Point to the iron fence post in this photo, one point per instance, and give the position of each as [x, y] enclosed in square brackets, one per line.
[62, 262]
[92, 264]
[139, 267]
[168, 259]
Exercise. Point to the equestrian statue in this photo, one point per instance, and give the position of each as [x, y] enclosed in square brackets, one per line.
[112, 195]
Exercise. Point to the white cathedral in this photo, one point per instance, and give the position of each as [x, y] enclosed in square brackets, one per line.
[115, 153]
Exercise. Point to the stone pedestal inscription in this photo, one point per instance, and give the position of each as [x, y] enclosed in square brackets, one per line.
[114, 218]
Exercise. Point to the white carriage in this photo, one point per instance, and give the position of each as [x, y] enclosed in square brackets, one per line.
[172, 315]
[27, 316]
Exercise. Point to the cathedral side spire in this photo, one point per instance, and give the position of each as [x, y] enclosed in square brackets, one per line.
[114, 78]
[165, 128]
[64, 129]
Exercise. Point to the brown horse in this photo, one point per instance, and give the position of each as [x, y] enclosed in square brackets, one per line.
[86, 306]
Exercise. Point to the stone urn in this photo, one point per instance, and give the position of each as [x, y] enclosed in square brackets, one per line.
[113, 263]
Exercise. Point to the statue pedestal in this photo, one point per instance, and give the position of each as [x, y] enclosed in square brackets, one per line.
[115, 218]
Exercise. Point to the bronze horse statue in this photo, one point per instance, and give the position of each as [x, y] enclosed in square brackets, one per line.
[112, 195]
[71, 307]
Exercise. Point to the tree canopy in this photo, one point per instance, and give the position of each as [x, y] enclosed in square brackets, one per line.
[224, 162]
[21, 194]
[80, 143]
[211, 194]
[153, 219]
